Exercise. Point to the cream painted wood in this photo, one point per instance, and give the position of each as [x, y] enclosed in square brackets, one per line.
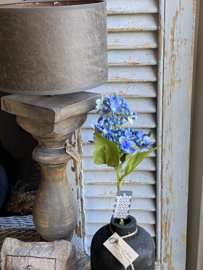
[132, 6]
[136, 40]
[131, 22]
[178, 54]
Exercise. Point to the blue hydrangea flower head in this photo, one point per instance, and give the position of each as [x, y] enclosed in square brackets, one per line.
[100, 104]
[139, 134]
[100, 121]
[115, 112]
[129, 135]
[147, 141]
[114, 104]
[126, 145]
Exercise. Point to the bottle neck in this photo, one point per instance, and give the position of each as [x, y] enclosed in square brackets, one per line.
[129, 227]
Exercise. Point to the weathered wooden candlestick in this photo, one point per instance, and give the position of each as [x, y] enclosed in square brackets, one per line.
[52, 120]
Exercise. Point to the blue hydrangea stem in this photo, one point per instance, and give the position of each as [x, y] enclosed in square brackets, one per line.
[121, 221]
[119, 187]
[119, 182]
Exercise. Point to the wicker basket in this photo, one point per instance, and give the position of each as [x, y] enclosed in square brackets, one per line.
[23, 229]
[18, 227]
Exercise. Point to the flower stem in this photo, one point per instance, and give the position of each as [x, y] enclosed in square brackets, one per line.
[119, 182]
[121, 222]
[119, 185]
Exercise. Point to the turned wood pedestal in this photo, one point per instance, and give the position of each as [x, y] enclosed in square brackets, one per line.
[52, 120]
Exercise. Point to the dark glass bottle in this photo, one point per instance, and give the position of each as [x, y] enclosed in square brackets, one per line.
[141, 242]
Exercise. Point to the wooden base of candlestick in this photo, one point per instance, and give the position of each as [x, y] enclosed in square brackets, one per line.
[52, 120]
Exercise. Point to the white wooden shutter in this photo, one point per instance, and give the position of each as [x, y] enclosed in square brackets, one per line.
[132, 57]
[150, 46]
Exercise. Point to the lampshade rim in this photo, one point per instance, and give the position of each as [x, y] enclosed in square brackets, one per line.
[57, 92]
[53, 8]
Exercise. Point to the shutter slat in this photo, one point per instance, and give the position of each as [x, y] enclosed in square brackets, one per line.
[142, 105]
[149, 228]
[143, 217]
[144, 120]
[139, 191]
[136, 40]
[148, 164]
[138, 177]
[126, 23]
[130, 90]
[132, 57]
[133, 74]
[108, 203]
[130, 6]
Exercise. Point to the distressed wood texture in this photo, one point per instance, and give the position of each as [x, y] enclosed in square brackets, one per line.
[131, 6]
[178, 49]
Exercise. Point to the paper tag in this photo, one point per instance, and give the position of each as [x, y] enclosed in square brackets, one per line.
[74, 154]
[112, 245]
[122, 204]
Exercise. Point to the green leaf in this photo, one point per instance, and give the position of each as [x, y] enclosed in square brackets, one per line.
[125, 157]
[135, 160]
[99, 155]
[149, 134]
[106, 152]
[122, 158]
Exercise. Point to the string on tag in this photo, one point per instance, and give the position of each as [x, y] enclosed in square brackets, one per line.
[74, 154]
[123, 255]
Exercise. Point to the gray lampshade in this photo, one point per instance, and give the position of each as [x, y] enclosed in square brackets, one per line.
[52, 47]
